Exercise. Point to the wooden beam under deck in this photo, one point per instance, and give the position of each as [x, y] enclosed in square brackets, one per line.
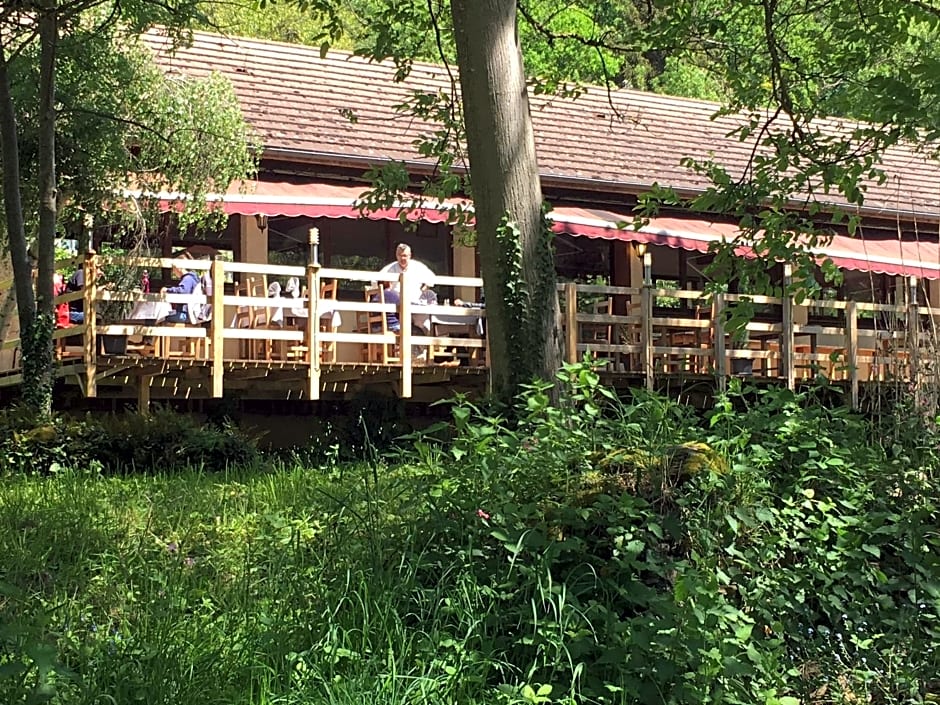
[148, 379]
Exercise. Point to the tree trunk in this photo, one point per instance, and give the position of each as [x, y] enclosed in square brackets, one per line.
[513, 238]
[38, 359]
[12, 203]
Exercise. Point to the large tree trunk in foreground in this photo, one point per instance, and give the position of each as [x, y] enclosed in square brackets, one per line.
[39, 367]
[34, 311]
[35, 332]
[12, 202]
[513, 240]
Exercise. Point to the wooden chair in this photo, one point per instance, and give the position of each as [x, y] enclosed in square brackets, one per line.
[328, 291]
[261, 318]
[376, 322]
[599, 333]
[244, 318]
[68, 346]
[189, 347]
[631, 334]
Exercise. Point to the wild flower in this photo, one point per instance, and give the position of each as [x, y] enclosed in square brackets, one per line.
[482, 514]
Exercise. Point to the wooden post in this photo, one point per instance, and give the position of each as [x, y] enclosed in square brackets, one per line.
[571, 322]
[913, 329]
[851, 349]
[718, 323]
[405, 323]
[90, 298]
[313, 309]
[786, 336]
[646, 331]
[312, 341]
[143, 395]
[217, 326]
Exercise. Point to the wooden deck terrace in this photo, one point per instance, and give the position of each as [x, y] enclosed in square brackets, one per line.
[259, 347]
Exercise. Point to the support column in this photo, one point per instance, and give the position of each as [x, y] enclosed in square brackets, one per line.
[217, 326]
[851, 349]
[311, 339]
[253, 238]
[621, 274]
[786, 336]
[571, 318]
[405, 320]
[721, 355]
[143, 395]
[91, 322]
[465, 265]
[913, 330]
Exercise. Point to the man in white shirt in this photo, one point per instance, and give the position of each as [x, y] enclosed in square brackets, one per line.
[420, 277]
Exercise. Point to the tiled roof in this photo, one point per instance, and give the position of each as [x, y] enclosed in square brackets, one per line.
[340, 109]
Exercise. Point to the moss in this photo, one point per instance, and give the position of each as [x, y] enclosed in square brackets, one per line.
[654, 476]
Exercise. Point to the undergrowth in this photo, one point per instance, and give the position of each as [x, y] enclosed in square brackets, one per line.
[591, 551]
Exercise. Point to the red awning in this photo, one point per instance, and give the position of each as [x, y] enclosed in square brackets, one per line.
[320, 200]
[895, 257]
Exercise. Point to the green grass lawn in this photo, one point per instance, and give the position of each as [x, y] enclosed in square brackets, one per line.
[253, 588]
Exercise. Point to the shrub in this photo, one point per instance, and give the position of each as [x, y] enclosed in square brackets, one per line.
[162, 442]
[633, 553]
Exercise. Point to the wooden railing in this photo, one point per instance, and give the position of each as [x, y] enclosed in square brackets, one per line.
[621, 326]
[208, 341]
[859, 342]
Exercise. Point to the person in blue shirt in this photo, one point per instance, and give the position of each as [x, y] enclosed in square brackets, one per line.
[188, 283]
[76, 282]
[391, 318]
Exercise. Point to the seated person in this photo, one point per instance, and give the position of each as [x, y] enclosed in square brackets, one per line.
[189, 283]
[420, 277]
[391, 318]
[61, 311]
[76, 282]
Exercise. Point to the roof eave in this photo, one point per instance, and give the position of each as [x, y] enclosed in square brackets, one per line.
[596, 186]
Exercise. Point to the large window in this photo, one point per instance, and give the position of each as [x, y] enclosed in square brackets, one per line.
[582, 259]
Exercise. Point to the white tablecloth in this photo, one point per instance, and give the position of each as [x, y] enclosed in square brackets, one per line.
[327, 308]
[150, 311]
[440, 321]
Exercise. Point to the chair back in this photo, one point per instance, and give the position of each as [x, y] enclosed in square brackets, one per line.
[376, 320]
[258, 288]
[202, 312]
[244, 314]
[328, 288]
[600, 332]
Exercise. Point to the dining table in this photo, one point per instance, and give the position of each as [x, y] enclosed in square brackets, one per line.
[285, 308]
[448, 325]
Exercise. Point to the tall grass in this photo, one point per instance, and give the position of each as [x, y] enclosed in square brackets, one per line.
[290, 586]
